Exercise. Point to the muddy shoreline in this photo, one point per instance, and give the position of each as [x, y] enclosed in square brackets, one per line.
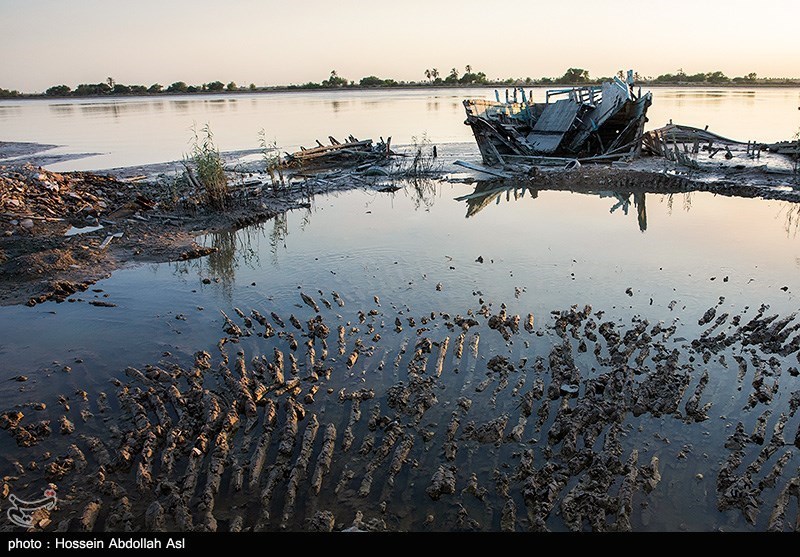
[112, 223]
[143, 214]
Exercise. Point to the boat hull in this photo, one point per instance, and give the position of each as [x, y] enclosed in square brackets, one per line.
[606, 123]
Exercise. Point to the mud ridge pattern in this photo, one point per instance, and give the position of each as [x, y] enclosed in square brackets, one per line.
[388, 421]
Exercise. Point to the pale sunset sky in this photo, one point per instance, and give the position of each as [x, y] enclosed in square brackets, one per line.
[49, 42]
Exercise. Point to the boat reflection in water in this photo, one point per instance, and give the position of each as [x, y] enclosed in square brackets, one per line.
[486, 193]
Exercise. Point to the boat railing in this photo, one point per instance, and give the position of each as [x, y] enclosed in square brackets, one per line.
[491, 109]
[580, 95]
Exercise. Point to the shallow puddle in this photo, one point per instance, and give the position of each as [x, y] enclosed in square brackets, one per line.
[544, 416]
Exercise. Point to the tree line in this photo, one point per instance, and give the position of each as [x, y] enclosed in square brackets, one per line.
[433, 77]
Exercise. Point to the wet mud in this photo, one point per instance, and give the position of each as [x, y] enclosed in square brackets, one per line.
[465, 424]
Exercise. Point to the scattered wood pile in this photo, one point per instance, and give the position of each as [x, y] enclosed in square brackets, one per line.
[33, 194]
[790, 148]
[353, 152]
[677, 142]
[29, 194]
[698, 148]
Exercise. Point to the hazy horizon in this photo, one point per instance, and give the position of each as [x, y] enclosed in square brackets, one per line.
[276, 43]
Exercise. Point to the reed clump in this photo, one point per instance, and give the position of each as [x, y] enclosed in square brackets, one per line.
[272, 161]
[206, 161]
[424, 157]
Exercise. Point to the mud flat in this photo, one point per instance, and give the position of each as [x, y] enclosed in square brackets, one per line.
[573, 421]
[61, 232]
[485, 418]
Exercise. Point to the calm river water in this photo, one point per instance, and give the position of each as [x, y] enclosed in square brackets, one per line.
[145, 130]
[653, 257]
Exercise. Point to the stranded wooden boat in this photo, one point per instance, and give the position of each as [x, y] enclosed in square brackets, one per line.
[602, 122]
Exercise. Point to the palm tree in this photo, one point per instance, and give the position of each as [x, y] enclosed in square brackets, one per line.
[468, 68]
[435, 73]
[428, 74]
[454, 73]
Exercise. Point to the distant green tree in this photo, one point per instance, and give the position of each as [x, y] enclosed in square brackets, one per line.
[58, 91]
[335, 81]
[6, 94]
[472, 78]
[371, 81]
[92, 89]
[119, 89]
[231, 86]
[155, 88]
[717, 77]
[138, 90]
[694, 78]
[575, 75]
[215, 86]
[252, 87]
[435, 74]
[193, 89]
[178, 87]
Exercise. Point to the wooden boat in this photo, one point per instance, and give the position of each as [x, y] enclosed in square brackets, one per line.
[602, 122]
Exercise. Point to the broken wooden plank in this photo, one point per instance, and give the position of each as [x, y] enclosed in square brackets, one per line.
[324, 149]
[481, 168]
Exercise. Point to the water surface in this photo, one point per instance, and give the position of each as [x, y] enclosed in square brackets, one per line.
[654, 257]
[135, 131]
[630, 256]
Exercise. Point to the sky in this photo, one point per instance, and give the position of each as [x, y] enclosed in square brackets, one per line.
[49, 42]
